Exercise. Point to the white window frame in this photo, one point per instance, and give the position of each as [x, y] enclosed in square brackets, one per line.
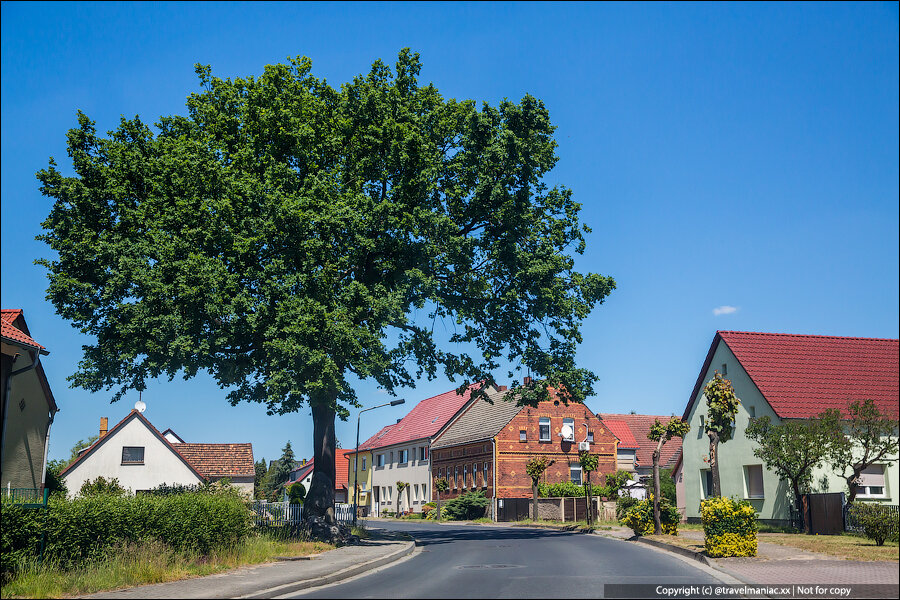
[572, 470]
[486, 479]
[475, 475]
[380, 460]
[543, 422]
[863, 489]
[455, 477]
[402, 457]
[748, 480]
[570, 423]
[523, 435]
[363, 463]
[465, 475]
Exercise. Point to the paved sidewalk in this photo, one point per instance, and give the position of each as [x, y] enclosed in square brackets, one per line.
[275, 579]
[777, 564]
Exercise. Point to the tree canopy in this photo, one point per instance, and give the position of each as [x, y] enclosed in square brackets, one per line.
[285, 235]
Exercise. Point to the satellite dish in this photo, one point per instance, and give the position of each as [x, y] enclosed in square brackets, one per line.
[140, 406]
[566, 432]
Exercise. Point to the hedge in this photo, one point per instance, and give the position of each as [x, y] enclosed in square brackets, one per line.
[729, 527]
[85, 528]
[879, 523]
[567, 489]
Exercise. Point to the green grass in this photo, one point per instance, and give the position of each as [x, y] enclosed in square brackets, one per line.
[133, 565]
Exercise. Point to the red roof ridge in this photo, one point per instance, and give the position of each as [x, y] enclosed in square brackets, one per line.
[809, 335]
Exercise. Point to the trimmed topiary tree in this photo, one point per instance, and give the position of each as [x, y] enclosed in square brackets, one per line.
[729, 527]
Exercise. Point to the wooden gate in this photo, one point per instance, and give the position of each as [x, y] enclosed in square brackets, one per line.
[574, 508]
[513, 509]
[823, 513]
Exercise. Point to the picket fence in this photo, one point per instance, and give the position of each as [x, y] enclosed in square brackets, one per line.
[281, 514]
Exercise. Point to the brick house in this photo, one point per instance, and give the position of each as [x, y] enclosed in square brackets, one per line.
[488, 445]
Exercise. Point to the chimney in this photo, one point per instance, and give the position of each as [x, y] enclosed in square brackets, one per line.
[526, 380]
[502, 388]
[104, 426]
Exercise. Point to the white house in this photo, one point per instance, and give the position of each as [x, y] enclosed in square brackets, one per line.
[141, 458]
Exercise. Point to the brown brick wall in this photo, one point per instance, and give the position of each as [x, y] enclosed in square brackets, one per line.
[513, 454]
[460, 456]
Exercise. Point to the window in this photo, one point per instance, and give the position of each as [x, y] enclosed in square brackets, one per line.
[871, 482]
[485, 482]
[423, 452]
[590, 436]
[544, 429]
[390, 493]
[364, 463]
[380, 460]
[392, 457]
[416, 492]
[465, 474]
[523, 435]
[700, 429]
[474, 474]
[403, 456]
[752, 411]
[706, 485]
[724, 369]
[571, 424]
[754, 479]
[575, 472]
[132, 455]
[455, 476]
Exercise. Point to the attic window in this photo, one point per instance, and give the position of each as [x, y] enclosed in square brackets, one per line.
[132, 455]
[724, 369]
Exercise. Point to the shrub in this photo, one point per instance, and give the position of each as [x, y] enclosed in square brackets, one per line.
[296, 493]
[623, 503]
[427, 508]
[470, 505]
[729, 527]
[878, 523]
[102, 487]
[88, 527]
[640, 517]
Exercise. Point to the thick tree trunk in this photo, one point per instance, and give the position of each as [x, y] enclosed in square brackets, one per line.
[714, 463]
[853, 485]
[657, 525]
[590, 503]
[320, 497]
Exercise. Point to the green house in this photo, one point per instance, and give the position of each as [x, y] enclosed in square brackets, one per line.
[785, 377]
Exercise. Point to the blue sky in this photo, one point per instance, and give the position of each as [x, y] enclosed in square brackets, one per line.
[726, 155]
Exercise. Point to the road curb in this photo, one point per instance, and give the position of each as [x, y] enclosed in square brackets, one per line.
[676, 549]
[406, 550]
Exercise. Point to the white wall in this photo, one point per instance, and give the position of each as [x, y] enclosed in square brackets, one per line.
[415, 472]
[161, 464]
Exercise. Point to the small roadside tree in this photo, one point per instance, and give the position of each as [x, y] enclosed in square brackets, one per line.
[296, 493]
[794, 448]
[440, 485]
[662, 433]
[869, 438]
[722, 406]
[259, 475]
[535, 469]
[589, 463]
[401, 485]
[614, 482]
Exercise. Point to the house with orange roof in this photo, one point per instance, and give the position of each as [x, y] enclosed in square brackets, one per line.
[635, 449]
[303, 474]
[27, 408]
[402, 452]
[785, 377]
[142, 458]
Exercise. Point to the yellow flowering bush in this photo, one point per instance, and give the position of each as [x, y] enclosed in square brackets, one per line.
[640, 517]
[729, 527]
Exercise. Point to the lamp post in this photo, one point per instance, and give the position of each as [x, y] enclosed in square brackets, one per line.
[356, 455]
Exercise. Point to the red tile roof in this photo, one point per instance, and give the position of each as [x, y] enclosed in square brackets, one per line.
[640, 427]
[9, 331]
[341, 469]
[802, 375]
[374, 441]
[423, 421]
[219, 460]
[623, 433]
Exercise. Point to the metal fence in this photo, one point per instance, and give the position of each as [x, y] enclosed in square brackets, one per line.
[284, 514]
[26, 496]
[891, 515]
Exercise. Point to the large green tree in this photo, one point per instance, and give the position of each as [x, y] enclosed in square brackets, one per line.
[285, 235]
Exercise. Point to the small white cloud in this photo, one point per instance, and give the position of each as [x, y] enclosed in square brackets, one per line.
[724, 310]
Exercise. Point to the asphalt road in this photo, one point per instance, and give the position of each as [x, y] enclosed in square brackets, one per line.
[472, 561]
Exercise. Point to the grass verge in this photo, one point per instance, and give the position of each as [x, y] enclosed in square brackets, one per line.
[133, 565]
[847, 546]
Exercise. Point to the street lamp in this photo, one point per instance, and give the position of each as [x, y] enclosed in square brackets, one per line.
[356, 456]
